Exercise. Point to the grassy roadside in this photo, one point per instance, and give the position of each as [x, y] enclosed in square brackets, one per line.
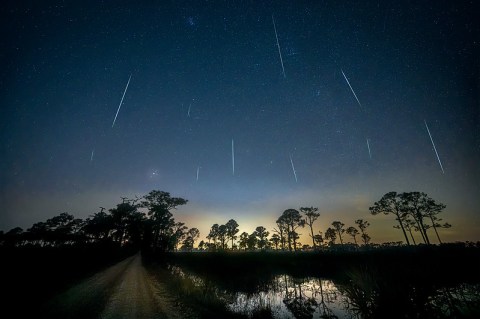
[31, 276]
[196, 298]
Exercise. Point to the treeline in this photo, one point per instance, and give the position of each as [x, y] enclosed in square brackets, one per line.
[143, 222]
[147, 222]
[415, 212]
[285, 236]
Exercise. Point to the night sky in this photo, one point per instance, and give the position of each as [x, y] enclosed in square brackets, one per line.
[206, 72]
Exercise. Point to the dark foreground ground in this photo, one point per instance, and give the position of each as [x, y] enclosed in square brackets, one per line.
[109, 283]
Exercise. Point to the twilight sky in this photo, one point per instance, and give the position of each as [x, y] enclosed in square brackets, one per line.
[206, 72]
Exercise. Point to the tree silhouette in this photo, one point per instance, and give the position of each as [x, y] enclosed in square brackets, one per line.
[292, 219]
[213, 235]
[190, 236]
[275, 240]
[331, 235]
[281, 230]
[318, 238]
[431, 210]
[223, 236]
[232, 230]
[99, 225]
[391, 203]
[366, 238]
[252, 241]
[352, 231]
[13, 237]
[413, 204]
[38, 234]
[159, 204]
[311, 215]
[243, 241]
[261, 233]
[338, 227]
[179, 231]
[120, 217]
[409, 225]
[363, 225]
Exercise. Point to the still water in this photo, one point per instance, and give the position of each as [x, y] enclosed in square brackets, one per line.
[358, 294]
[295, 298]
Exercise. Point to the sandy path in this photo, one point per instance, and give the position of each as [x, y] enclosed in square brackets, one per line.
[125, 290]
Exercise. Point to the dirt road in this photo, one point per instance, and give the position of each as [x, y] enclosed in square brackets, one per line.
[125, 290]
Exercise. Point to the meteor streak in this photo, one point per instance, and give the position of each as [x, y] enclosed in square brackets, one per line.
[198, 171]
[293, 169]
[233, 158]
[91, 156]
[189, 107]
[435, 149]
[121, 101]
[278, 46]
[351, 88]
[368, 145]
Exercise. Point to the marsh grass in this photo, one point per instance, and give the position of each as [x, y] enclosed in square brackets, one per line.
[399, 282]
[202, 298]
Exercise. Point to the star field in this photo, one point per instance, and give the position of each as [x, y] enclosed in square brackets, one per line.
[206, 72]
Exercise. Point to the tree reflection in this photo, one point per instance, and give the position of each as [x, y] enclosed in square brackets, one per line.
[461, 301]
[300, 305]
[323, 297]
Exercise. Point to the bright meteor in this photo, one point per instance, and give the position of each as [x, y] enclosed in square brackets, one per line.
[121, 101]
[351, 88]
[434, 148]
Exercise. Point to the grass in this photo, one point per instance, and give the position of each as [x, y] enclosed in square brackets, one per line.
[379, 283]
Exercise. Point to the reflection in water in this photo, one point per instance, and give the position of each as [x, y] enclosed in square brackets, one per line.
[290, 297]
[461, 301]
[359, 294]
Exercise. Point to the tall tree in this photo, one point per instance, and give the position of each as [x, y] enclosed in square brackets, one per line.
[120, 217]
[232, 230]
[190, 236]
[158, 205]
[417, 204]
[213, 234]
[99, 225]
[223, 236]
[352, 231]
[366, 238]
[391, 203]
[252, 241]
[281, 230]
[431, 210]
[293, 220]
[331, 235]
[318, 239]
[261, 233]
[409, 225]
[136, 228]
[179, 231]
[243, 241]
[363, 225]
[311, 215]
[275, 239]
[338, 226]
